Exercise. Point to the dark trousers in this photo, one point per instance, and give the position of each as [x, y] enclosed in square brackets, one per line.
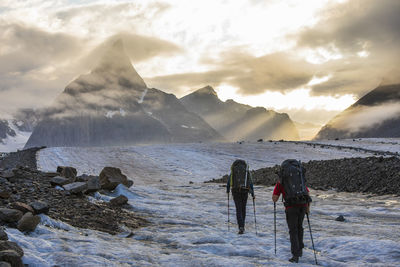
[240, 199]
[294, 219]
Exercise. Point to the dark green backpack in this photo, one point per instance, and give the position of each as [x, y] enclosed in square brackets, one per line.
[294, 183]
[239, 176]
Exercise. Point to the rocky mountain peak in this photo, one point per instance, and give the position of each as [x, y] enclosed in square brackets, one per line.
[116, 63]
[208, 90]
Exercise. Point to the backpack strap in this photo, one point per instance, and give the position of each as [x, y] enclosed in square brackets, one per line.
[231, 178]
[245, 179]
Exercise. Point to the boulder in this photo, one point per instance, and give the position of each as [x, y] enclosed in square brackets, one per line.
[10, 215]
[8, 245]
[76, 188]
[119, 200]
[4, 264]
[4, 194]
[67, 172]
[3, 234]
[84, 177]
[28, 222]
[93, 184]
[7, 174]
[129, 183]
[340, 218]
[111, 177]
[40, 207]
[11, 257]
[58, 180]
[22, 207]
[51, 174]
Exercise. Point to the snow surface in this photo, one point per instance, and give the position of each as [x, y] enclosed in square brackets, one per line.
[13, 143]
[142, 96]
[189, 221]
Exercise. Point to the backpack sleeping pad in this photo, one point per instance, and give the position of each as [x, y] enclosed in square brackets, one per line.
[294, 183]
[239, 176]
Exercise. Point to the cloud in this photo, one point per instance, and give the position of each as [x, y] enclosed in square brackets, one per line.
[138, 47]
[365, 35]
[364, 117]
[251, 74]
[39, 64]
[24, 48]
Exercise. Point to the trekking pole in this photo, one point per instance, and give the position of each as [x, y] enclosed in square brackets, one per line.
[275, 224]
[255, 221]
[228, 214]
[312, 241]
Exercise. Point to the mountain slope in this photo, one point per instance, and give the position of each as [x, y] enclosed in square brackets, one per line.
[113, 106]
[238, 121]
[377, 114]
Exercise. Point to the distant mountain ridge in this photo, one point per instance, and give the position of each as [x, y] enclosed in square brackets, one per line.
[237, 121]
[376, 114]
[113, 106]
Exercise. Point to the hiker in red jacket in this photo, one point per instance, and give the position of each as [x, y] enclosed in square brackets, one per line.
[295, 207]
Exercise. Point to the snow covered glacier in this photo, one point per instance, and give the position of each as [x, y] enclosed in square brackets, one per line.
[189, 220]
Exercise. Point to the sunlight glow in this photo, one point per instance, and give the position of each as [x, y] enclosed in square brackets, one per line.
[317, 80]
[296, 99]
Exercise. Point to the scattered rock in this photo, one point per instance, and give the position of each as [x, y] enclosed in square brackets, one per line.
[67, 172]
[58, 180]
[11, 257]
[76, 188]
[21, 207]
[8, 245]
[3, 234]
[84, 178]
[40, 207]
[28, 222]
[8, 175]
[5, 194]
[119, 200]
[51, 174]
[111, 177]
[340, 218]
[129, 183]
[128, 236]
[30, 185]
[367, 175]
[93, 184]
[4, 264]
[260, 140]
[10, 215]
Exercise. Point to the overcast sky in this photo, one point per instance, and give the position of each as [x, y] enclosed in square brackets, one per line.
[310, 58]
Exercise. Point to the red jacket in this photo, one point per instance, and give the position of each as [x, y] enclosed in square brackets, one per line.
[278, 190]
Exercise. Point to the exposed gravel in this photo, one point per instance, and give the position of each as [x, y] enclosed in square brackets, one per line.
[24, 183]
[376, 175]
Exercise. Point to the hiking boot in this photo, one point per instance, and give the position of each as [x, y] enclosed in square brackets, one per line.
[294, 259]
[241, 230]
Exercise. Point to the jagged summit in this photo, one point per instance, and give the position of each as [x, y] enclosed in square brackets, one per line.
[113, 106]
[237, 121]
[207, 90]
[116, 63]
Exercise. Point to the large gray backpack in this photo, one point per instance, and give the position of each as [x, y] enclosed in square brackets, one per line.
[239, 176]
[293, 181]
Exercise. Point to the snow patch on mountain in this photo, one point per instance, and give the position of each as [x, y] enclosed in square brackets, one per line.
[13, 143]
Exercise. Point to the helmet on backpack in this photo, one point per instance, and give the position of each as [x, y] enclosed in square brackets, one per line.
[292, 178]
